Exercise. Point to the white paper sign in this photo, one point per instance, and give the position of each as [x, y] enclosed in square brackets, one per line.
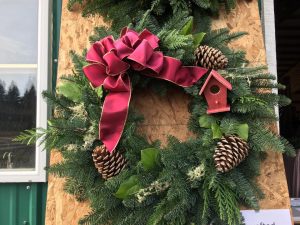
[267, 217]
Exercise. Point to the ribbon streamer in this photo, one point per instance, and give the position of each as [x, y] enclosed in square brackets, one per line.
[109, 62]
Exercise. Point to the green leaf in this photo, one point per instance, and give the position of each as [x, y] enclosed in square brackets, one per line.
[70, 90]
[211, 122]
[49, 122]
[99, 91]
[187, 29]
[150, 158]
[198, 38]
[206, 121]
[216, 130]
[243, 130]
[128, 187]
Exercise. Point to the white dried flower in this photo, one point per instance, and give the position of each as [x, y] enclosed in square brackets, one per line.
[154, 188]
[79, 111]
[58, 112]
[89, 137]
[196, 173]
[72, 147]
[140, 197]
[88, 140]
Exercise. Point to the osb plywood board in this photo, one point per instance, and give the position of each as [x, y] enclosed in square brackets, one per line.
[245, 18]
[163, 115]
[61, 207]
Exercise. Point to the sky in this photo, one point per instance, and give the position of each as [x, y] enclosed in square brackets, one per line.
[18, 31]
[18, 40]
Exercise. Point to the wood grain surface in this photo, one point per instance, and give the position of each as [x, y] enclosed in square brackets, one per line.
[163, 115]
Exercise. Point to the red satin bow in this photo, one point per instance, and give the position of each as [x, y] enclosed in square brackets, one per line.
[110, 59]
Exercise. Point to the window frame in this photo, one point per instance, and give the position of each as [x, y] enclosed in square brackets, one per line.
[268, 26]
[39, 173]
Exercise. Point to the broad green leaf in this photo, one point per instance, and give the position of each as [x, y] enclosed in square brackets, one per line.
[128, 187]
[243, 131]
[70, 90]
[187, 29]
[150, 158]
[198, 38]
[216, 130]
[99, 91]
[206, 121]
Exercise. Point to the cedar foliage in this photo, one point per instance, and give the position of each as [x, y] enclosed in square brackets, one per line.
[206, 198]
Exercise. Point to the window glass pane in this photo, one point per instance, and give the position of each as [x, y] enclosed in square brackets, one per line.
[17, 113]
[18, 31]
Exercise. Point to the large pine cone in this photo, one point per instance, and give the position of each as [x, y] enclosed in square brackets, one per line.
[210, 58]
[230, 152]
[108, 164]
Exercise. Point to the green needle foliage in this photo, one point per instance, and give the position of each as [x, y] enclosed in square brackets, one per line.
[122, 12]
[177, 184]
[105, 7]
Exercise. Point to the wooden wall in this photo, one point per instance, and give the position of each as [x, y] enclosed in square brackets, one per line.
[167, 116]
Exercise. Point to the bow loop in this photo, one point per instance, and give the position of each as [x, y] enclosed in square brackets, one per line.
[108, 44]
[117, 83]
[96, 73]
[141, 55]
[144, 57]
[115, 65]
[99, 49]
[130, 38]
[123, 49]
[151, 38]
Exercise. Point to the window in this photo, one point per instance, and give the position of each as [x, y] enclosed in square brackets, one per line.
[23, 76]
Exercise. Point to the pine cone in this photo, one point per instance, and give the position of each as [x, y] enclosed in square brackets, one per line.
[210, 58]
[230, 152]
[108, 164]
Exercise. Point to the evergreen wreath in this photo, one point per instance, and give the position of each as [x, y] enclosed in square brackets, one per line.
[202, 180]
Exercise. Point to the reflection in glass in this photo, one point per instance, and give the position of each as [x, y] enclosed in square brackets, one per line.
[18, 31]
[17, 113]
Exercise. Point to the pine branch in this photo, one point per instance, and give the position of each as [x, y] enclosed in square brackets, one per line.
[30, 137]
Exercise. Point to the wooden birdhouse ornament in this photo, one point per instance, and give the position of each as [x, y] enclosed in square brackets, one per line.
[215, 92]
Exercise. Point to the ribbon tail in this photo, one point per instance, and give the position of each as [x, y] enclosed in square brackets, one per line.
[155, 64]
[175, 72]
[113, 118]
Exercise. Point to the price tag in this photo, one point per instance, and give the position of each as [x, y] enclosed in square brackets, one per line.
[267, 217]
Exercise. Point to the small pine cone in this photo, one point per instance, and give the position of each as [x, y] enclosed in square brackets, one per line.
[230, 152]
[210, 58]
[108, 164]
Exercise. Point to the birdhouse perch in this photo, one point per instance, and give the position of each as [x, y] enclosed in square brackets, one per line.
[215, 92]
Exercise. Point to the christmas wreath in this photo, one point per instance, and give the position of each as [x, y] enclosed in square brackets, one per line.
[128, 180]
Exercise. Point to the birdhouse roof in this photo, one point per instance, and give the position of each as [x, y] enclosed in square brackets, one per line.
[218, 77]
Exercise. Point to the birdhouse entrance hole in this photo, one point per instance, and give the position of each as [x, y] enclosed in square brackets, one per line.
[215, 89]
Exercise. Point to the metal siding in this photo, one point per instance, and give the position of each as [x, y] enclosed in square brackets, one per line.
[22, 204]
[259, 7]
[56, 13]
